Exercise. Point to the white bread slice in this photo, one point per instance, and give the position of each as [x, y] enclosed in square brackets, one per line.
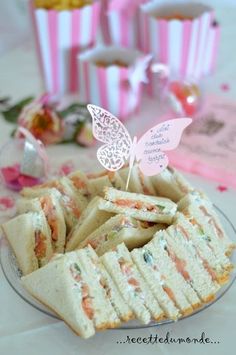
[21, 234]
[49, 204]
[158, 248]
[210, 262]
[170, 183]
[207, 232]
[113, 227]
[133, 237]
[97, 185]
[156, 283]
[142, 207]
[54, 286]
[19, 231]
[190, 265]
[121, 307]
[80, 183]
[209, 216]
[104, 314]
[92, 218]
[131, 284]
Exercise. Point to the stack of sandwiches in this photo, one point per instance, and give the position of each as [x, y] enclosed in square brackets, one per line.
[98, 255]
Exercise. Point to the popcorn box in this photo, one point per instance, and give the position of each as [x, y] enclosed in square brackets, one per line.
[59, 37]
[122, 23]
[111, 77]
[180, 35]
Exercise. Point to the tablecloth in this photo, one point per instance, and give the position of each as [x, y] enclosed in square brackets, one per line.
[25, 330]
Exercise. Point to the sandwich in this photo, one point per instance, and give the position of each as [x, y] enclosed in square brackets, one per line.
[30, 238]
[105, 179]
[77, 296]
[209, 260]
[142, 207]
[174, 294]
[122, 309]
[207, 233]
[138, 183]
[49, 204]
[131, 284]
[201, 207]
[188, 263]
[61, 286]
[80, 183]
[171, 184]
[118, 229]
[104, 315]
[91, 218]
[98, 184]
[72, 201]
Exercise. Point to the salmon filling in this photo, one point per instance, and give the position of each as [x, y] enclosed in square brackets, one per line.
[80, 185]
[50, 213]
[86, 299]
[204, 261]
[40, 245]
[146, 191]
[179, 263]
[127, 272]
[212, 222]
[138, 205]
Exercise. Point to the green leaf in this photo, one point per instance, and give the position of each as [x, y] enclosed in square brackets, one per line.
[73, 108]
[11, 115]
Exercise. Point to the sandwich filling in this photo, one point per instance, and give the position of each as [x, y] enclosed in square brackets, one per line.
[140, 205]
[212, 221]
[99, 240]
[50, 212]
[40, 245]
[80, 184]
[148, 258]
[205, 263]
[80, 285]
[145, 189]
[134, 285]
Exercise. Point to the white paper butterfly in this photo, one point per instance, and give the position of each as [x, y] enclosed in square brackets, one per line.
[148, 151]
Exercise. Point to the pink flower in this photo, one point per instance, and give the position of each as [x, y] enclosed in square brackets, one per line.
[42, 121]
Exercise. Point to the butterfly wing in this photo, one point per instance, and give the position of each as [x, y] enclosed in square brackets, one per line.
[150, 148]
[109, 130]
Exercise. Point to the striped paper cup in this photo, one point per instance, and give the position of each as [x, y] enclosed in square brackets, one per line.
[59, 37]
[121, 27]
[210, 54]
[111, 77]
[179, 35]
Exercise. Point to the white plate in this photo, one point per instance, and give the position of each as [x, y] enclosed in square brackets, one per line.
[13, 275]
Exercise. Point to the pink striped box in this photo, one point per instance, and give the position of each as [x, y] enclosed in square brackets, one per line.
[188, 46]
[121, 25]
[59, 37]
[116, 88]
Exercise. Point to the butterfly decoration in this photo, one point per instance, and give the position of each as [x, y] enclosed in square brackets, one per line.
[148, 151]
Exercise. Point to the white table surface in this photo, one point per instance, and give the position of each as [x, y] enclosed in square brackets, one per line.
[23, 329]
